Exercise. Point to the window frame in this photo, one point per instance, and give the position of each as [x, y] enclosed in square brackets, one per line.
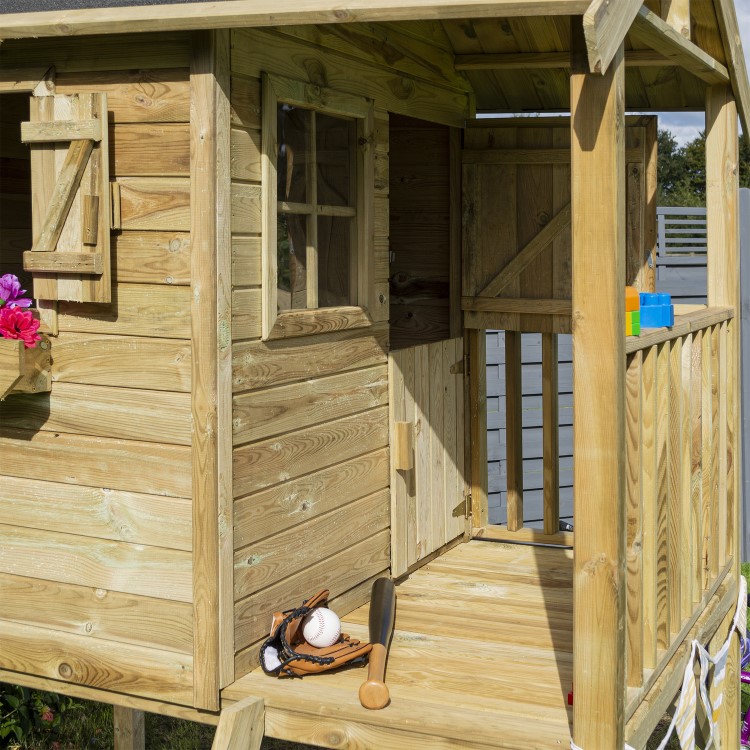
[278, 89]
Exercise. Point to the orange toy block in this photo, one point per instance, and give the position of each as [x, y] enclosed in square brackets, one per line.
[632, 299]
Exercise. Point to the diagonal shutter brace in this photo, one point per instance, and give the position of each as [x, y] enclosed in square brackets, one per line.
[683, 721]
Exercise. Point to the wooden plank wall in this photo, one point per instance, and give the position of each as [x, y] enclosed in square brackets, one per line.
[95, 509]
[310, 416]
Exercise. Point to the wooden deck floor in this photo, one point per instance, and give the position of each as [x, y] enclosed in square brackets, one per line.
[481, 657]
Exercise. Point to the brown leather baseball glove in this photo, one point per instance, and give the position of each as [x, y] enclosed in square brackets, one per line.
[286, 653]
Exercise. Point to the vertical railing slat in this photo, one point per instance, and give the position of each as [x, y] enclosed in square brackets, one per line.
[696, 480]
[674, 488]
[662, 496]
[688, 550]
[551, 440]
[634, 529]
[648, 491]
[715, 502]
[706, 455]
[514, 428]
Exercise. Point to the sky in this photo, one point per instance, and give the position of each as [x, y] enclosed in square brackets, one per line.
[685, 126]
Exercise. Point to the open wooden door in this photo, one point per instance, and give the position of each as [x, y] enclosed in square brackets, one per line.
[428, 487]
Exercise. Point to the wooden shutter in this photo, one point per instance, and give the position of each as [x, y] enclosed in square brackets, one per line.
[70, 257]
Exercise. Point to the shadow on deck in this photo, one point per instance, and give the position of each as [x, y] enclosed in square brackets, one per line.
[482, 657]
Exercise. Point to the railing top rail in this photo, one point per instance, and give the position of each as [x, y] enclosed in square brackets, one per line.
[679, 211]
[683, 324]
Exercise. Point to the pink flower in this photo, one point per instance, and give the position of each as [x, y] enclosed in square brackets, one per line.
[10, 292]
[19, 324]
[48, 715]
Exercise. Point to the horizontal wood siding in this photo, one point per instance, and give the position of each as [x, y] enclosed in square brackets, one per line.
[95, 508]
[310, 416]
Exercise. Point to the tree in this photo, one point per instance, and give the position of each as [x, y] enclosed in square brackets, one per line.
[681, 171]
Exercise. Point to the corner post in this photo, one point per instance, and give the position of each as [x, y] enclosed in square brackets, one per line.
[211, 389]
[723, 255]
[598, 201]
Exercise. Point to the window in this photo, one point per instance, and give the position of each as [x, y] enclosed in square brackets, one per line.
[317, 216]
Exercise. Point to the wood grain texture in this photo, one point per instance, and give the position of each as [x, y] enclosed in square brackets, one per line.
[279, 557]
[342, 571]
[150, 150]
[514, 429]
[241, 726]
[292, 503]
[122, 361]
[98, 613]
[129, 729]
[662, 496]
[258, 365]
[597, 164]
[269, 462]
[634, 540]
[210, 311]
[128, 465]
[162, 675]
[96, 512]
[397, 93]
[71, 558]
[152, 257]
[136, 310]
[155, 203]
[246, 261]
[100, 411]
[135, 96]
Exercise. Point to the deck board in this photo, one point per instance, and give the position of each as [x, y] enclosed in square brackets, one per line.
[482, 657]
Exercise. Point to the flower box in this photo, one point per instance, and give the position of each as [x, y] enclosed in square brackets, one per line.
[24, 370]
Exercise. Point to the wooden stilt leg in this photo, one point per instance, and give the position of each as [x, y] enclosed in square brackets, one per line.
[241, 726]
[130, 729]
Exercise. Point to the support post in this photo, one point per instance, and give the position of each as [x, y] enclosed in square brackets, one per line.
[241, 726]
[130, 728]
[723, 255]
[598, 200]
[211, 396]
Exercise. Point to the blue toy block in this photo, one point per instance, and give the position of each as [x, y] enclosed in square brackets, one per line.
[657, 311]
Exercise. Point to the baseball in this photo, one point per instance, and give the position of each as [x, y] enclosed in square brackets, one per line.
[321, 627]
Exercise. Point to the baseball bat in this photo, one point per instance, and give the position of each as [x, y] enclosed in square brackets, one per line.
[374, 692]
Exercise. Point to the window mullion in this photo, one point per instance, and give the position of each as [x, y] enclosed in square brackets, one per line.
[312, 219]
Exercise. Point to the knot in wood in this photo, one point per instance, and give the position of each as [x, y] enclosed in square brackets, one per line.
[65, 671]
[542, 218]
[316, 73]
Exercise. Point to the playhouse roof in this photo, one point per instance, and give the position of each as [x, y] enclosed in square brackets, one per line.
[514, 52]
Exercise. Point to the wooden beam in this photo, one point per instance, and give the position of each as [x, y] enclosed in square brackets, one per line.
[556, 226]
[478, 426]
[522, 306]
[635, 58]
[61, 130]
[605, 25]
[240, 13]
[723, 255]
[599, 585]
[11, 364]
[514, 428]
[55, 262]
[130, 728]
[211, 396]
[649, 29]
[730, 36]
[550, 430]
[241, 726]
[23, 79]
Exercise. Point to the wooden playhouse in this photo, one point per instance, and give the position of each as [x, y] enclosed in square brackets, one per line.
[265, 240]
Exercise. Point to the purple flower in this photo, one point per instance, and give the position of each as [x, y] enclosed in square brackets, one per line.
[10, 292]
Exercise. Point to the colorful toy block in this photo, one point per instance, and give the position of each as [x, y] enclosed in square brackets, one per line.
[657, 311]
[632, 299]
[633, 323]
